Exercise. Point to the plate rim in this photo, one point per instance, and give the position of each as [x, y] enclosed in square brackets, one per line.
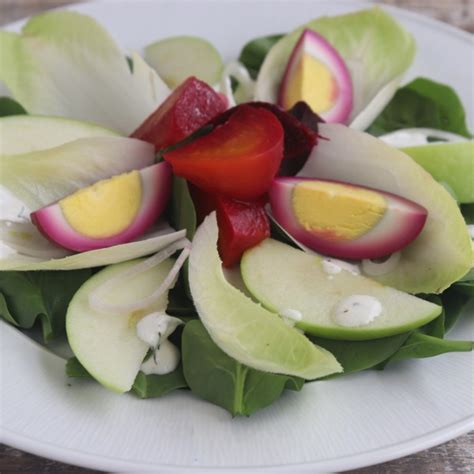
[106, 463]
[352, 461]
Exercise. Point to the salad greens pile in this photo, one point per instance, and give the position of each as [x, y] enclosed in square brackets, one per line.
[66, 75]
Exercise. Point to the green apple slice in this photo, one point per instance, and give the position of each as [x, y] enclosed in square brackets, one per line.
[29, 133]
[450, 163]
[242, 328]
[177, 58]
[106, 344]
[282, 277]
[442, 253]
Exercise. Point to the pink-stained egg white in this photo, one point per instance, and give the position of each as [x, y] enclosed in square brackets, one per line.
[154, 186]
[354, 233]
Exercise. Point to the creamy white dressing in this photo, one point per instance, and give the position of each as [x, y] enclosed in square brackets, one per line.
[163, 361]
[291, 316]
[470, 229]
[154, 330]
[374, 268]
[357, 310]
[418, 136]
[332, 266]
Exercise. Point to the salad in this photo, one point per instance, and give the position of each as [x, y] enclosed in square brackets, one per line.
[235, 230]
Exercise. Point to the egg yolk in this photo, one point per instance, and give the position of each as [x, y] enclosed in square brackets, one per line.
[106, 208]
[337, 211]
[312, 82]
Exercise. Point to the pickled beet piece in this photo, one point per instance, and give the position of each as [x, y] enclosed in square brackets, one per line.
[242, 225]
[299, 138]
[189, 107]
[237, 159]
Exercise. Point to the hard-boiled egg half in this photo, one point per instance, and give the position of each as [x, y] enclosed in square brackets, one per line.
[110, 212]
[317, 75]
[344, 220]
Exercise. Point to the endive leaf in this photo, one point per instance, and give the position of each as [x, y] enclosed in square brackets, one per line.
[376, 49]
[65, 64]
[42, 177]
[151, 242]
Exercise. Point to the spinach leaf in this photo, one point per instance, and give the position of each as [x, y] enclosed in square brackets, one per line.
[183, 216]
[468, 213]
[5, 312]
[454, 303]
[254, 52]
[468, 277]
[154, 386]
[277, 233]
[465, 287]
[423, 103]
[214, 376]
[8, 106]
[428, 341]
[420, 345]
[43, 295]
[75, 369]
[179, 304]
[182, 213]
[145, 386]
[437, 327]
[355, 356]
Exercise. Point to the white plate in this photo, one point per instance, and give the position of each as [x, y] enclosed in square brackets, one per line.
[355, 421]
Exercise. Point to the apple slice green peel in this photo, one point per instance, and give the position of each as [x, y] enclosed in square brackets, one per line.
[242, 328]
[179, 57]
[282, 277]
[442, 253]
[106, 342]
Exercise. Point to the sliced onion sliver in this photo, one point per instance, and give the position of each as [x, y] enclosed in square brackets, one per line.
[246, 83]
[373, 268]
[407, 137]
[99, 303]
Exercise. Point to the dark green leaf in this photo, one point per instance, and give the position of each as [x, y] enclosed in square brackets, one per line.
[277, 233]
[182, 212]
[214, 376]
[183, 216]
[428, 341]
[454, 304]
[179, 304]
[355, 356]
[422, 103]
[436, 327]
[8, 106]
[145, 386]
[75, 369]
[154, 386]
[466, 287]
[28, 296]
[420, 345]
[468, 213]
[254, 52]
[129, 63]
[5, 312]
[468, 277]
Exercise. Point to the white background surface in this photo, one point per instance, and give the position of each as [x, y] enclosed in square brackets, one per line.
[358, 420]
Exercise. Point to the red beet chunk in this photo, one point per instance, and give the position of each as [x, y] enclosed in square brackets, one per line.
[204, 203]
[303, 112]
[237, 159]
[242, 225]
[299, 137]
[189, 107]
